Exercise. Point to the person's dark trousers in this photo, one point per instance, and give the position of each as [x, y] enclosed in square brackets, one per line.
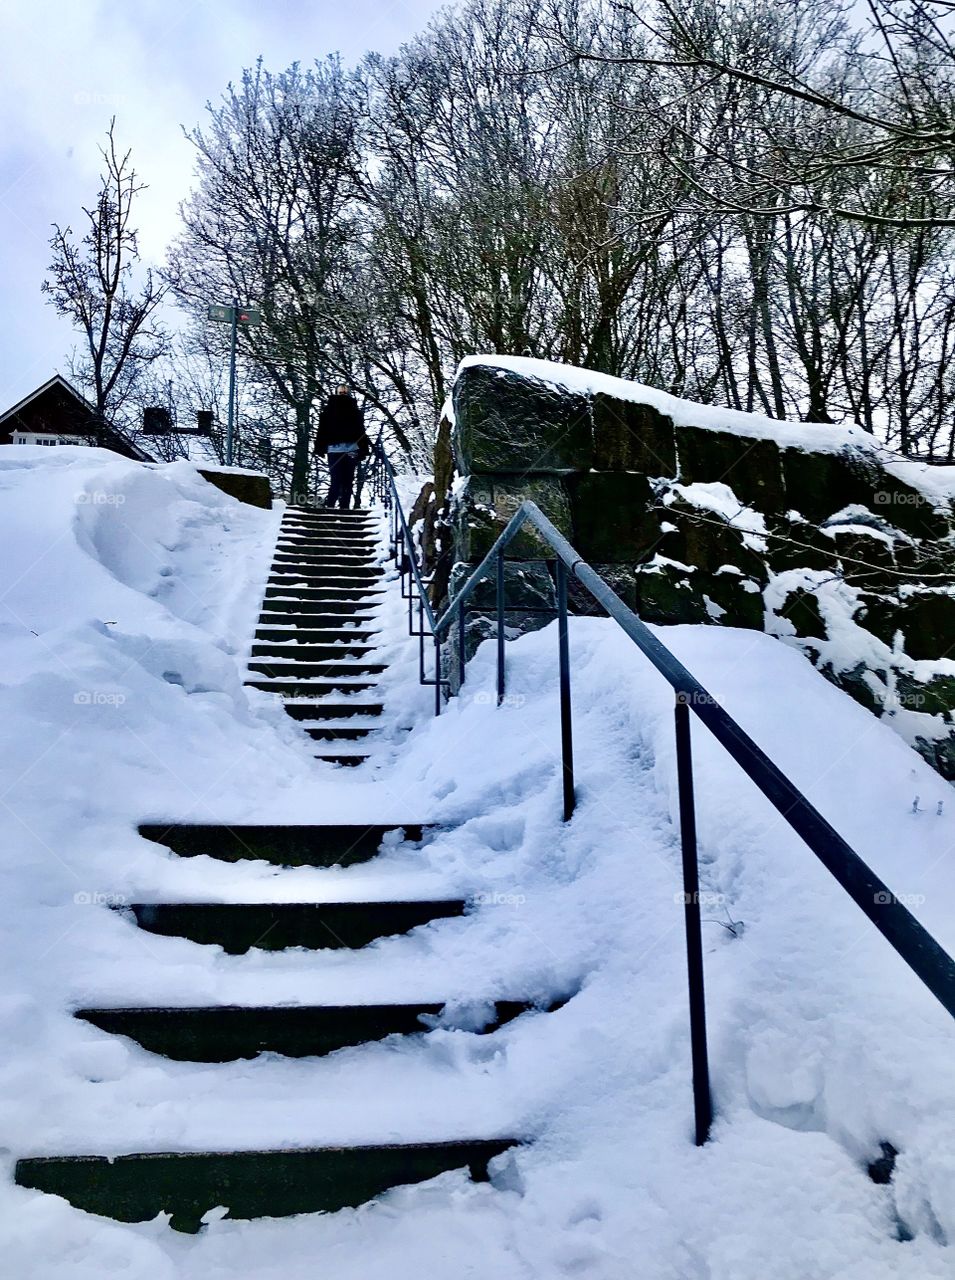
[341, 479]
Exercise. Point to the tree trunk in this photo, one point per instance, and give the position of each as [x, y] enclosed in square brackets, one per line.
[303, 441]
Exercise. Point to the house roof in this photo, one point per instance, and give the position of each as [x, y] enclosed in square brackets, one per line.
[110, 434]
[57, 379]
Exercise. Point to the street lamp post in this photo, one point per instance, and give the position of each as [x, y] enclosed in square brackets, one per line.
[233, 315]
[230, 428]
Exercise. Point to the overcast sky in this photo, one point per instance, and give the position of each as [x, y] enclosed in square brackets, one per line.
[68, 65]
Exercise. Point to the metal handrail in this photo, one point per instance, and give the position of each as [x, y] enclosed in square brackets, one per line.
[405, 531]
[385, 486]
[920, 951]
[910, 940]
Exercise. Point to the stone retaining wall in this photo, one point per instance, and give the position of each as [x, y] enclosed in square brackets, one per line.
[812, 536]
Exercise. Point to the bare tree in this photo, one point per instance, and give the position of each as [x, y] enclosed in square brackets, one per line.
[93, 282]
[270, 223]
[660, 193]
[878, 97]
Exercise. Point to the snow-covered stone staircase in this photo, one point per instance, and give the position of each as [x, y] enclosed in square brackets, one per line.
[319, 608]
[313, 641]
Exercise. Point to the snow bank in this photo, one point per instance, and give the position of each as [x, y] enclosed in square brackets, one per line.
[822, 1044]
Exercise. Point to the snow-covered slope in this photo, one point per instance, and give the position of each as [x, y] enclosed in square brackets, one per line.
[128, 597]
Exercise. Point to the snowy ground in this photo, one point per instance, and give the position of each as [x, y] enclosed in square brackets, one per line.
[128, 599]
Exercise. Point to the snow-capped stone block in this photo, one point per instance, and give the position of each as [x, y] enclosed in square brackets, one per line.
[630, 436]
[511, 424]
[251, 487]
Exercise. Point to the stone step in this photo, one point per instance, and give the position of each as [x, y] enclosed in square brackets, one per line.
[310, 573]
[330, 601]
[339, 534]
[345, 761]
[226, 1033]
[348, 541]
[338, 550]
[312, 710]
[309, 688]
[298, 649]
[356, 513]
[347, 625]
[325, 604]
[344, 542]
[308, 634]
[250, 1184]
[355, 610]
[340, 593]
[368, 518]
[327, 513]
[342, 668]
[323, 570]
[326, 556]
[336, 599]
[358, 518]
[293, 666]
[314, 508]
[326, 586]
[239, 927]
[320, 558]
[339, 733]
[333, 612]
[328, 527]
[296, 845]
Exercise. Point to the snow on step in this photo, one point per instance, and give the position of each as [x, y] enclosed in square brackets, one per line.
[376, 1093]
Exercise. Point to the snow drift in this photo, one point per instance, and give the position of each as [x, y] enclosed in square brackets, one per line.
[129, 595]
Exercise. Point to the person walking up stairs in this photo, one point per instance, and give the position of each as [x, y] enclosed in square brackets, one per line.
[341, 438]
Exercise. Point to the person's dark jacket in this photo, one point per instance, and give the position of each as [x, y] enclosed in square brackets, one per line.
[341, 422]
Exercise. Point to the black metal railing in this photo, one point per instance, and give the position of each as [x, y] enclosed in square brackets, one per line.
[382, 483]
[924, 956]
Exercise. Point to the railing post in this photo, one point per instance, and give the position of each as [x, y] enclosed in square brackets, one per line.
[422, 677]
[462, 632]
[437, 674]
[500, 627]
[566, 721]
[702, 1103]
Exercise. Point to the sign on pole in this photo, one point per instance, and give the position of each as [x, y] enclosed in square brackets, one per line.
[233, 315]
[223, 314]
